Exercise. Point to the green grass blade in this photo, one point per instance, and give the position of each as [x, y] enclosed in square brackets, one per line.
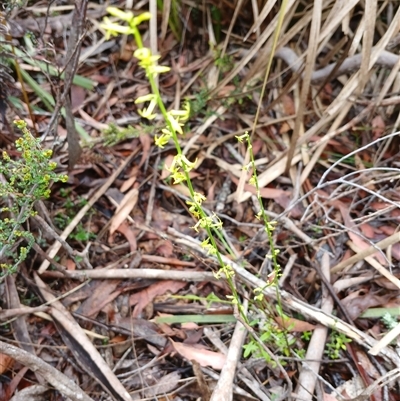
[202, 319]
[379, 312]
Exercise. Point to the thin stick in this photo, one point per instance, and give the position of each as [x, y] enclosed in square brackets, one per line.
[57, 379]
[393, 239]
[151, 274]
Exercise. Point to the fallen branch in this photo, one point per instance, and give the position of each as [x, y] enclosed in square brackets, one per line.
[57, 379]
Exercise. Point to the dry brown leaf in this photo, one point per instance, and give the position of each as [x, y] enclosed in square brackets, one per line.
[165, 248]
[367, 230]
[6, 363]
[226, 90]
[78, 95]
[142, 298]
[86, 117]
[281, 197]
[181, 189]
[164, 385]
[358, 302]
[98, 293]
[352, 232]
[70, 264]
[126, 230]
[131, 180]
[385, 283]
[378, 127]
[204, 357]
[146, 142]
[211, 192]
[366, 364]
[167, 164]
[294, 324]
[125, 53]
[124, 209]
[284, 128]
[288, 105]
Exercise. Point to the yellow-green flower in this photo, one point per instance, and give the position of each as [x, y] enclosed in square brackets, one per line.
[146, 98]
[184, 114]
[141, 17]
[157, 69]
[199, 198]
[144, 54]
[181, 160]
[178, 177]
[161, 140]
[122, 15]
[148, 112]
[174, 123]
[113, 29]
[241, 138]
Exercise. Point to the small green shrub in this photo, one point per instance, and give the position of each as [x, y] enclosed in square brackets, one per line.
[24, 181]
[336, 344]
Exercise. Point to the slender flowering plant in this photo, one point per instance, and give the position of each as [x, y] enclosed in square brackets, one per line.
[180, 168]
[174, 123]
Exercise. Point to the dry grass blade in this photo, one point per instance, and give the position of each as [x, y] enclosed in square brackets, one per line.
[341, 106]
[393, 239]
[370, 17]
[224, 388]
[376, 265]
[315, 351]
[253, 50]
[337, 14]
[153, 28]
[231, 26]
[386, 340]
[261, 17]
[165, 17]
[310, 62]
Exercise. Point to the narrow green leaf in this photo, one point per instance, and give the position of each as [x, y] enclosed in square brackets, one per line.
[196, 319]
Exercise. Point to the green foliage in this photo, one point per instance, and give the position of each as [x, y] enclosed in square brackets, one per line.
[114, 134]
[174, 20]
[306, 335]
[274, 337]
[210, 299]
[26, 180]
[224, 63]
[389, 321]
[11, 4]
[337, 343]
[199, 103]
[216, 18]
[61, 220]
[81, 234]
